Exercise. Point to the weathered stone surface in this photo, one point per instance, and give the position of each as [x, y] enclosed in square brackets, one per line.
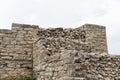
[57, 53]
[74, 54]
[16, 47]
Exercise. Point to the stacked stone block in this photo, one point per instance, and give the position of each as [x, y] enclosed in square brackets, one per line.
[16, 47]
[96, 37]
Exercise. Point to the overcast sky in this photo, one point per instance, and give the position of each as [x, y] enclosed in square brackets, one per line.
[65, 13]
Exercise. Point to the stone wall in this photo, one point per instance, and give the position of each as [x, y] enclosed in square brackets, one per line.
[55, 50]
[95, 67]
[57, 53]
[16, 47]
[95, 37]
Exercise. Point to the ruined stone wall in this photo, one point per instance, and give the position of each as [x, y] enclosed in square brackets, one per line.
[16, 47]
[55, 50]
[57, 53]
[95, 67]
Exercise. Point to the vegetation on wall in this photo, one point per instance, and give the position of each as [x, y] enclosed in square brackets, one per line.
[22, 78]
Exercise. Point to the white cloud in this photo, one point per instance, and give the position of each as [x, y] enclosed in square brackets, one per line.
[65, 13]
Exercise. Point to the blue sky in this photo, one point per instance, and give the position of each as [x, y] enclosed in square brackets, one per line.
[65, 13]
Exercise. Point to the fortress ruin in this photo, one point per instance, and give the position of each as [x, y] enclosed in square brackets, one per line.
[57, 53]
